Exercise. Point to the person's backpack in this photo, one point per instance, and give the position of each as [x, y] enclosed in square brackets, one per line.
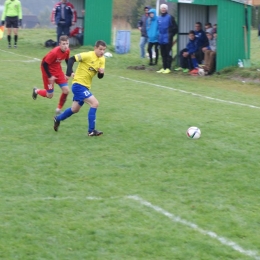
[50, 44]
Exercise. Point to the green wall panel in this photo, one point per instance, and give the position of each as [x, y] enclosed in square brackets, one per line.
[98, 21]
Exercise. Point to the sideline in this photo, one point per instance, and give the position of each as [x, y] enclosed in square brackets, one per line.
[190, 93]
[161, 86]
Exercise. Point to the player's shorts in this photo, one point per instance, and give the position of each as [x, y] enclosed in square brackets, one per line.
[61, 80]
[11, 22]
[80, 93]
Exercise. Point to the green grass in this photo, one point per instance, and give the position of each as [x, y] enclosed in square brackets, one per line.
[65, 195]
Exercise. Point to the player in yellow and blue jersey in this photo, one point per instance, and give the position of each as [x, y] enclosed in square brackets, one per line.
[90, 64]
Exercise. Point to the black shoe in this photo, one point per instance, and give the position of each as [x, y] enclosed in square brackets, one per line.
[56, 124]
[95, 133]
[34, 94]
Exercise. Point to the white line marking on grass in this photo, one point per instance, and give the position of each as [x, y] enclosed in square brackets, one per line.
[19, 55]
[19, 60]
[171, 216]
[161, 86]
[191, 93]
[211, 234]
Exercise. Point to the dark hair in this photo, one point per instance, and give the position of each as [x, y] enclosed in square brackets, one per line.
[191, 32]
[100, 43]
[199, 23]
[63, 38]
[208, 24]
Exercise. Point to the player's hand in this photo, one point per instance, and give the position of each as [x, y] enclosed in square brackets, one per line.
[3, 22]
[101, 70]
[52, 79]
[20, 22]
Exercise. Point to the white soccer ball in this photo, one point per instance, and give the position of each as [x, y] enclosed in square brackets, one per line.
[201, 72]
[108, 54]
[193, 132]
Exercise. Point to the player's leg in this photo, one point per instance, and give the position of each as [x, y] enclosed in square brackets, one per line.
[15, 31]
[63, 83]
[48, 88]
[93, 103]
[15, 37]
[78, 102]
[9, 31]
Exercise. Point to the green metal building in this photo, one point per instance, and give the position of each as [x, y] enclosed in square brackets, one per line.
[231, 16]
[96, 19]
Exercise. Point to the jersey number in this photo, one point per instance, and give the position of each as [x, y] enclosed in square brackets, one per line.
[87, 93]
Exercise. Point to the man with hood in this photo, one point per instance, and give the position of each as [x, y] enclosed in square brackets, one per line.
[167, 30]
[142, 27]
[153, 34]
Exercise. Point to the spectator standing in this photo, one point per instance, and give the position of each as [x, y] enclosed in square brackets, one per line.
[64, 16]
[152, 33]
[12, 16]
[142, 27]
[167, 27]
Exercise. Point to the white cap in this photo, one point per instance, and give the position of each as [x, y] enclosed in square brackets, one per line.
[164, 6]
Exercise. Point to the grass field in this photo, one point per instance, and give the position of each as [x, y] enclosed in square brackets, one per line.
[143, 190]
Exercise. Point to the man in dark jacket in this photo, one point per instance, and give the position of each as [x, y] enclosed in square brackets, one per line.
[63, 15]
[202, 41]
[167, 30]
[142, 27]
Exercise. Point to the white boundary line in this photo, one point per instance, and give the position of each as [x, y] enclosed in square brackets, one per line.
[161, 86]
[19, 60]
[191, 93]
[167, 214]
[20, 55]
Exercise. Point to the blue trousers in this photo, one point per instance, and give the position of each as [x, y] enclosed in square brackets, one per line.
[62, 29]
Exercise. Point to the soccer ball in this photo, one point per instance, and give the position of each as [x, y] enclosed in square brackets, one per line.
[193, 132]
[201, 72]
[108, 55]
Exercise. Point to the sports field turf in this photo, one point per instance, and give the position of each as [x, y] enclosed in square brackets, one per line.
[143, 190]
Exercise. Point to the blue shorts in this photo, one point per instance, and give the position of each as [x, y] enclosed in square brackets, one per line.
[80, 93]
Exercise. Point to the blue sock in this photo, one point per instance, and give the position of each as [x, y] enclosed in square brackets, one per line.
[194, 63]
[67, 113]
[91, 119]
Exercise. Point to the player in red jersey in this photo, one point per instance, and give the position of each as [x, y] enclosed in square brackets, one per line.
[52, 72]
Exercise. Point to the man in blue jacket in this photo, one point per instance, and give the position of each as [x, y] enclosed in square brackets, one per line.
[188, 60]
[63, 15]
[167, 29]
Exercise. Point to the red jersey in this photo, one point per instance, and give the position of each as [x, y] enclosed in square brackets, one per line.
[54, 59]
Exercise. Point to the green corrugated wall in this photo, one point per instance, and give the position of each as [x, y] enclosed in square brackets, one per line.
[230, 20]
[98, 21]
